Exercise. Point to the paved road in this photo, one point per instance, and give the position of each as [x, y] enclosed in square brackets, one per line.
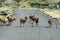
[15, 32]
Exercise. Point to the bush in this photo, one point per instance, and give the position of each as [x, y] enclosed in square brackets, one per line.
[0, 3]
[44, 4]
[58, 3]
[35, 5]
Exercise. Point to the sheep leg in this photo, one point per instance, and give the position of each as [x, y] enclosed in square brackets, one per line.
[32, 24]
[20, 24]
[23, 24]
[36, 24]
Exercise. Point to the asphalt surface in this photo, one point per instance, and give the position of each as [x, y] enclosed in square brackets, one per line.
[15, 32]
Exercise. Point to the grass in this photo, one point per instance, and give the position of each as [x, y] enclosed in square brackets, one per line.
[3, 16]
[52, 12]
[4, 9]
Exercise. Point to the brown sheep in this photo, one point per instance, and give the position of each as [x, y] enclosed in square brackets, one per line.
[23, 21]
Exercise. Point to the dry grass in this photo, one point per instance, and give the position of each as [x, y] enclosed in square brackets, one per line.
[52, 12]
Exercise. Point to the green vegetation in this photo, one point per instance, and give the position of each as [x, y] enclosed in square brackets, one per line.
[0, 3]
[35, 5]
[3, 16]
[3, 0]
[32, 3]
[17, 1]
[59, 3]
[38, 5]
